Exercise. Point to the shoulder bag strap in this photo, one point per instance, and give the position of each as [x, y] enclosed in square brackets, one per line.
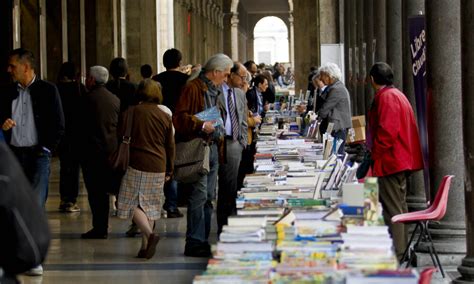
[128, 130]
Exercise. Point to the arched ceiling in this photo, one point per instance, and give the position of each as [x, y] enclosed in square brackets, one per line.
[265, 6]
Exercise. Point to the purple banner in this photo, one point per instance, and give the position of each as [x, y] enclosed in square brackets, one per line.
[418, 55]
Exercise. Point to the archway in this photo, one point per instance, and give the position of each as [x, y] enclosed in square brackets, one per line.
[271, 41]
[277, 5]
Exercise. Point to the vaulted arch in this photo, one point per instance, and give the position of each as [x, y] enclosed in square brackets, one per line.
[261, 9]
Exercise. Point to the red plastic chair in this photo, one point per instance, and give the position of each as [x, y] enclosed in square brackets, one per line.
[422, 218]
[426, 275]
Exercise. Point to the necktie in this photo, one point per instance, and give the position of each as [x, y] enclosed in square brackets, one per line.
[233, 116]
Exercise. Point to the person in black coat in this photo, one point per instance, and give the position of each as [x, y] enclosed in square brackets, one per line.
[72, 93]
[172, 82]
[25, 234]
[269, 93]
[255, 101]
[31, 116]
[120, 86]
[101, 109]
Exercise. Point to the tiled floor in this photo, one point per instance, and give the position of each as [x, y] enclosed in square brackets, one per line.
[73, 260]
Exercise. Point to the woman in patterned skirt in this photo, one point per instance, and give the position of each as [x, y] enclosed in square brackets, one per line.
[152, 155]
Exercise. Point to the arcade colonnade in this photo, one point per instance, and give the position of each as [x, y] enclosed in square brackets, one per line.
[95, 31]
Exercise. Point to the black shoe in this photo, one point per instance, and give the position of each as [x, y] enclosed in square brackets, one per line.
[174, 213]
[92, 234]
[198, 251]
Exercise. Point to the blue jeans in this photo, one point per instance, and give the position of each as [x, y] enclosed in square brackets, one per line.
[200, 203]
[171, 195]
[36, 165]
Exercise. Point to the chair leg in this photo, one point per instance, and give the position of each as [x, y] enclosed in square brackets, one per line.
[408, 249]
[426, 239]
[416, 244]
[434, 250]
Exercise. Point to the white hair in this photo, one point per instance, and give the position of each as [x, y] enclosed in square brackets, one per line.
[99, 73]
[219, 62]
[332, 70]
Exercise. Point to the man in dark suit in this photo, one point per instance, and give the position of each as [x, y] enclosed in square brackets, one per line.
[101, 109]
[235, 122]
[33, 121]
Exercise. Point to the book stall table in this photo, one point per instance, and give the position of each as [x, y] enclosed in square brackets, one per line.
[293, 227]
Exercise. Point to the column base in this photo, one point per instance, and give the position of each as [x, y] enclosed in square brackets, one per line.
[416, 203]
[467, 271]
[449, 241]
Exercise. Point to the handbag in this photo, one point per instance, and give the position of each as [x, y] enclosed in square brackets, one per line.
[119, 159]
[191, 161]
[364, 167]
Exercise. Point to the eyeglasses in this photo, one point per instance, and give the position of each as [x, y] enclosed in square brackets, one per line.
[244, 77]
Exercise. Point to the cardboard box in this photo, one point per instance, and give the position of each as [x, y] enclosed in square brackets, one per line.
[357, 132]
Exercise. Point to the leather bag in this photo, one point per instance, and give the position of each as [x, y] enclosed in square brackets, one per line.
[192, 160]
[119, 160]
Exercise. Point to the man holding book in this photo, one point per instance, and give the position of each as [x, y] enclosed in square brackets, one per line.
[200, 94]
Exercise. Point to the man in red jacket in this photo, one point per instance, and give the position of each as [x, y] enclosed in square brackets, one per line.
[395, 145]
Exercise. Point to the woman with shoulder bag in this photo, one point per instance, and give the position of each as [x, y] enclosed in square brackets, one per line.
[152, 152]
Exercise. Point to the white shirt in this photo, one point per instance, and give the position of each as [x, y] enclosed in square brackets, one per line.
[228, 120]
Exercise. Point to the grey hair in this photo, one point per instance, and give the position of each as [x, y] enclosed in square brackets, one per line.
[218, 62]
[332, 70]
[100, 74]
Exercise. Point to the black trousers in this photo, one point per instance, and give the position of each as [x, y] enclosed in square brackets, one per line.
[69, 162]
[246, 164]
[98, 180]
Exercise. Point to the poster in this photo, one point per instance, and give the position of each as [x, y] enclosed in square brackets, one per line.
[418, 55]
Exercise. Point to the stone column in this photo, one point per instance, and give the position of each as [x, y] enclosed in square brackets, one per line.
[64, 26]
[354, 55]
[362, 47]
[292, 41]
[467, 29]
[380, 30]
[54, 37]
[194, 35]
[29, 29]
[16, 24]
[369, 52]
[250, 45]
[221, 30]
[446, 137]
[234, 31]
[307, 41]
[142, 31]
[83, 39]
[347, 49]
[394, 42]
[416, 197]
[104, 32]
